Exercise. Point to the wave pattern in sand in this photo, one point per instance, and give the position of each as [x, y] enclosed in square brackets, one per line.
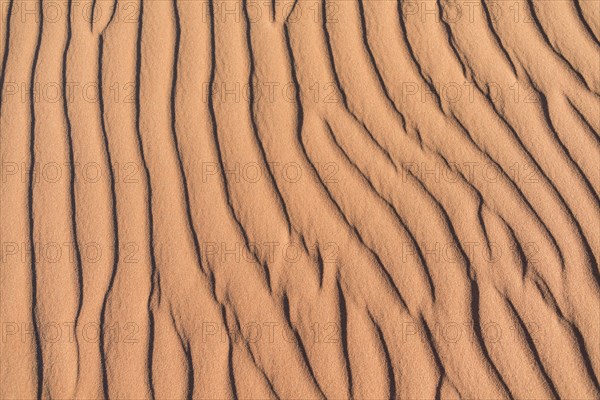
[300, 199]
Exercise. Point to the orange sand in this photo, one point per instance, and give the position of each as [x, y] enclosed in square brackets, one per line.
[306, 199]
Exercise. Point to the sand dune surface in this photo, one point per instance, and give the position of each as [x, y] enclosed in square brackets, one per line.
[300, 199]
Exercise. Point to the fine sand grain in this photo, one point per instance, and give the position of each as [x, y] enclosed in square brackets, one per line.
[300, 199]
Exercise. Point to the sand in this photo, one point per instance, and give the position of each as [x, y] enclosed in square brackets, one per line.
[371, 199]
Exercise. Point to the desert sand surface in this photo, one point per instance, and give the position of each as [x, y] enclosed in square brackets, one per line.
[307, 199]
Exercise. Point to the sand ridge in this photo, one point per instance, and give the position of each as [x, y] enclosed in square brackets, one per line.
[372, 199]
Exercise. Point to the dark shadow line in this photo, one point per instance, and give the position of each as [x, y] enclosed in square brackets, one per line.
[215, 132]
[436, 357]
[36, 333]
[587, 124]
[365, 40]
[338, 83]
[6, 51]
[587, 362]
[114, 219]
[92, 15]
[190, 219]
[387, 356]
[533, 349]
[451, 40]
[479, 335]
[579, 12]
[546, 39]
[230, 350]
[490, 24]
[273, 10]
[253, 119]
[413, 57]
[301, 348]
[154, 286]
[72, 180]
[344, 335]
